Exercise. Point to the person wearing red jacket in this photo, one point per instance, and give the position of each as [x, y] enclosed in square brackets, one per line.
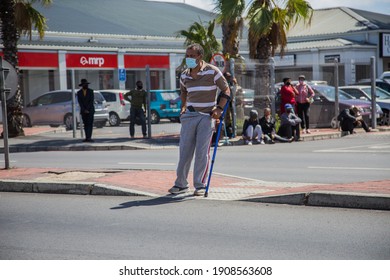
[287, 93]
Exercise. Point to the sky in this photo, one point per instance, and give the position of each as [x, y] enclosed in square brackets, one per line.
[378, 6]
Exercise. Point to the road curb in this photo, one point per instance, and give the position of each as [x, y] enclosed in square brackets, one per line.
[83, 188]
[330, 199]
[315, 198]
[349, 200]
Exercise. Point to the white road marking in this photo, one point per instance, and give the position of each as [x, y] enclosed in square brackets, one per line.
[382, 148]
[147, 163]
[349, 168]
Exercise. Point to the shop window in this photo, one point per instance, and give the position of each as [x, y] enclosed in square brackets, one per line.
[362, 72]
[106, 79]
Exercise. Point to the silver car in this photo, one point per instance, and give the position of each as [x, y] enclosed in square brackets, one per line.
[55, 108]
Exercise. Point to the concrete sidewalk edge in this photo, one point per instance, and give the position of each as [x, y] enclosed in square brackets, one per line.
[315, 198]
[329, 199]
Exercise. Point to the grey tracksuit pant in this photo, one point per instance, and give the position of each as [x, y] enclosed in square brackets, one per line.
[195, 137]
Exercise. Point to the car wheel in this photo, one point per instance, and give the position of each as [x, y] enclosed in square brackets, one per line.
[54, 125]
[100, 124]
[68, 121]
[385, 119]
[26, 121]
[334, 122]
[175, 120]
[114, 119]
[154, 117]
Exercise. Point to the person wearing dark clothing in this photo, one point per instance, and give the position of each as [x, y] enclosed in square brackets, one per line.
[229, 112]
[86, 99]
[289, 124]
[267, 123]
[251, 129]
[137, 99]
[351, 118]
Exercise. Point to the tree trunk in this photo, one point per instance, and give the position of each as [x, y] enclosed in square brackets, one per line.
[230, 42]
[10, 37]
[262, 73]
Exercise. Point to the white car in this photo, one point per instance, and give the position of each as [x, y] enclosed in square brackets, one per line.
[118, 107]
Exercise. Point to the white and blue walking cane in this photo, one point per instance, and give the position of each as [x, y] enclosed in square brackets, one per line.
[216, 146]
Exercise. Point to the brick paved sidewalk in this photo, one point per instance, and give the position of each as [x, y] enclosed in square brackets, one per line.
[157, 182]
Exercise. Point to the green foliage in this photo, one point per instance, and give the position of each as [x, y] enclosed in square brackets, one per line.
[269, 22]
[203, 35]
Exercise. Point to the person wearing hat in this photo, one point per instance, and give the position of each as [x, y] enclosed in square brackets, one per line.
[287, 94]
[289, 124]
[304, 99]
[86, 98]
[252, 130]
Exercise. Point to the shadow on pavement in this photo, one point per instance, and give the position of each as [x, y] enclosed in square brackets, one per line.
[152, 202]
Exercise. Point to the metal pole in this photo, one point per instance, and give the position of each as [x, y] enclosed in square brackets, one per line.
[73, 104]
[4, 107]
[272, 85]
[148, 101]
[373, 92]
[336, 81]
[233, 100]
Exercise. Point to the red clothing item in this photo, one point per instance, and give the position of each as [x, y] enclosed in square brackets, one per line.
[287, 94]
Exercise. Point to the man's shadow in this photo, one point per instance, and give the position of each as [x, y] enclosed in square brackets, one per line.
[168, 199]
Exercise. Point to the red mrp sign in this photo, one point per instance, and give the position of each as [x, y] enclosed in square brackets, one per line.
[91, 60]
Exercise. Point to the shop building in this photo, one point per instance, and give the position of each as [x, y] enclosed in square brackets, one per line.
[111, 43]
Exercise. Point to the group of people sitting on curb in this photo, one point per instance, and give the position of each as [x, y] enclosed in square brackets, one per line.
[263, 130]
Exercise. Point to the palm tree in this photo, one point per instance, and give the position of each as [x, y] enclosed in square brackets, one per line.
[269, 22]
[17, 18]
[203, 35]
[230, 16]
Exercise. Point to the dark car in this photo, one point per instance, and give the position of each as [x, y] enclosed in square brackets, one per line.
[164, 104]
[245, 99]
[322, 110]
[364, 93]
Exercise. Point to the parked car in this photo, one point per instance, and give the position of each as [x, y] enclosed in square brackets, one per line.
[245, 99]
[322, 110]
[385, 75]
[164, 104]
[383, 84]
[118, 107]
[55, 108]
[364, 93]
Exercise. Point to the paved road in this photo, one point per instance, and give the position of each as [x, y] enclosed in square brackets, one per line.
[345, 160]
[91, 227]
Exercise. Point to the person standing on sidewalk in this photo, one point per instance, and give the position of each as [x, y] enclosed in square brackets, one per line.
[287, 94]
[137, 99]
[199, 85]
[304, 99]
[86, 99]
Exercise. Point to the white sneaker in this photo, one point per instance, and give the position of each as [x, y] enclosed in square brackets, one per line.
[177, 190]
[248, 142]
[200, 192]
[262, 142]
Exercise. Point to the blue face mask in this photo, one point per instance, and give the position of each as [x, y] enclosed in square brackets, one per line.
[191, 62]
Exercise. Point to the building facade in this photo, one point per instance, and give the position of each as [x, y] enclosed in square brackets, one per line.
[112, 43]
